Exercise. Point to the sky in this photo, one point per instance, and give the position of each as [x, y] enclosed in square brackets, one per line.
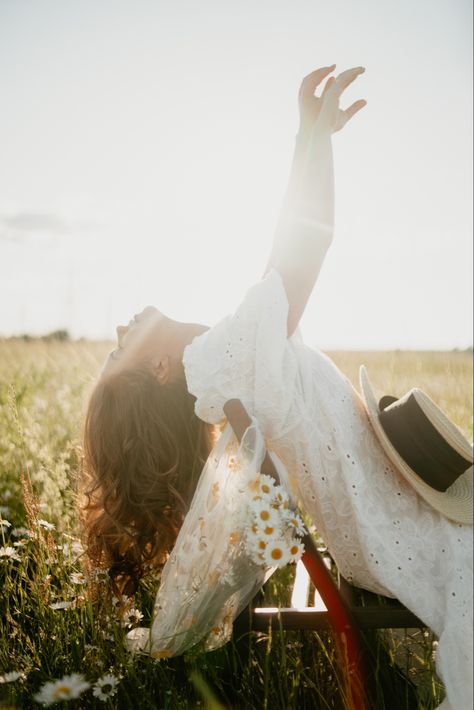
[145, 149]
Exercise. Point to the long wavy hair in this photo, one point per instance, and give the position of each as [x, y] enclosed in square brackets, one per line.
[143, 451]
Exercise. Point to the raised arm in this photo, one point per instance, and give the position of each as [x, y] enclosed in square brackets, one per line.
[306, 223]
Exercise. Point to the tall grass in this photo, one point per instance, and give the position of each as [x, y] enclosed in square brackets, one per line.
[50, 627]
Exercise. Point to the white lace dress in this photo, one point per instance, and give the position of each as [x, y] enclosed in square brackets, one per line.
[382, 535]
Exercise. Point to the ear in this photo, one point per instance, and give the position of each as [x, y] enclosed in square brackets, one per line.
[162, 369]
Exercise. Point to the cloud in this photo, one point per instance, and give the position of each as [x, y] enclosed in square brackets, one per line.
[30, 223]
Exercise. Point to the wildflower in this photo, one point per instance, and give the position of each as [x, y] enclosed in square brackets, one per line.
[10, 677]
[71, 550]
[295, 522]
[264, 512]
[122, 601]
[20, 532]
[10, 553]
[266, 486]
[46, 525]
[6, 495]
[132, 616]
[276, 554]
[296, 550]
[105, 687]
[61, 605]
[78, 578]
[67, 688]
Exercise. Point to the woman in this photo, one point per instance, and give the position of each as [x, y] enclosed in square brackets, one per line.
[150, 422]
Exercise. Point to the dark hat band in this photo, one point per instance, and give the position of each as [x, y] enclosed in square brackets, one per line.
[421, 445]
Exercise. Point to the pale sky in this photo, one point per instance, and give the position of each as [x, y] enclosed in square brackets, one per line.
[145, 148]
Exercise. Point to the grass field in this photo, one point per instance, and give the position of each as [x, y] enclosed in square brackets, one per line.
[49, 627]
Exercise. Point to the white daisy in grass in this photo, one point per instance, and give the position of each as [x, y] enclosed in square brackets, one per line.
[10, 677]
[78, 578]
[9, 553]
[71, 550]
[132, 616]
[121, 601]
[105, 687]
[276, 554]
[5, 524]
[61, 605]
[69, 687]
[46, 525]
[20, 532]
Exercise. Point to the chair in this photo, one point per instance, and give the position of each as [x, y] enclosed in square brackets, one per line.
[339, 606]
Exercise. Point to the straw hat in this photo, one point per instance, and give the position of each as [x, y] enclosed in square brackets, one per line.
[426, 447]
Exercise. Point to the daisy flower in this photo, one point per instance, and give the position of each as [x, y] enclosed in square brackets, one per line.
[10, 553]
[296, 549]
[276, 554]
[123, 600]
[132, 616]
[264, 512]
[266, 485]
[46, 525]
[20, 532]
[5, 523]
[71, 550]
[78, 578]
[67, 688]
[295, 522]
[10, 677]
[61, 605]
[105, 687]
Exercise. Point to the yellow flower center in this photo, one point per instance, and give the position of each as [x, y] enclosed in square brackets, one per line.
[265, 488]
[264, 514]
[61, 691]
[294, 550]
[276, 553]
[268, 530]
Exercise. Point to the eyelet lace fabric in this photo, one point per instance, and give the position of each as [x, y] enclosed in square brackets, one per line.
[382, 535]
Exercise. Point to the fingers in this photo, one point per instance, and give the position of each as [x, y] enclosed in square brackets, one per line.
[353, 108]
[347, 77]
[328, 85]
[312, 80]
[345, 116]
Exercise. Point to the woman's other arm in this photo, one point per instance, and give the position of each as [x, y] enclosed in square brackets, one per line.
[305, 227]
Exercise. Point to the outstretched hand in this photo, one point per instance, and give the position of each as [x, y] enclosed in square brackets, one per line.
[322, 113]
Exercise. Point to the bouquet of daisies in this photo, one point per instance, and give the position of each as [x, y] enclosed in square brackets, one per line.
[273, 531]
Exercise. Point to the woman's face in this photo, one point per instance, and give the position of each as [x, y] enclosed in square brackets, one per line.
[145, 339]
[152, 339]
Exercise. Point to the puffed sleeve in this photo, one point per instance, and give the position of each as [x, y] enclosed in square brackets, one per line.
[247, 356]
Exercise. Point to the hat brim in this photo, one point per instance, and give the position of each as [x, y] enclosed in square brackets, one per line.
[456, 502]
